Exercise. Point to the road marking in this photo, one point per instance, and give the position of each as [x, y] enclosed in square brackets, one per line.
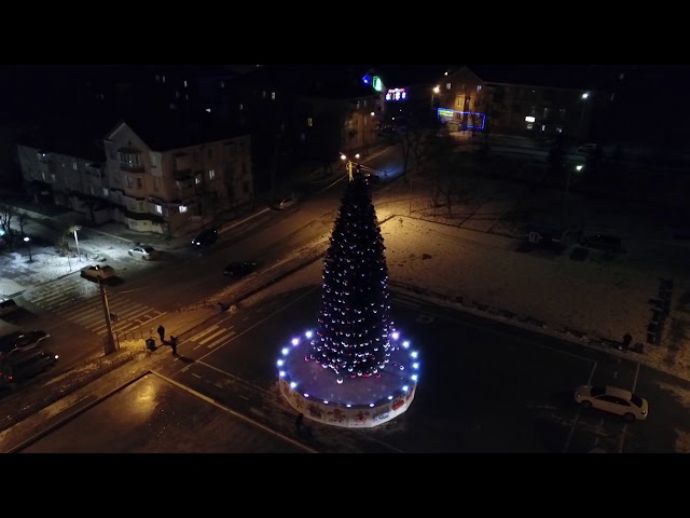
[202, 333]
[292, 302]
[196, 375]
[212, 336]
[220, 340]
[234, 413]
[621, 439]
[571, 433]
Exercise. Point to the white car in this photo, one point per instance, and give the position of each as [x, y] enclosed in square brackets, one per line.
[613, 400]
[98, 272]
[146, 253]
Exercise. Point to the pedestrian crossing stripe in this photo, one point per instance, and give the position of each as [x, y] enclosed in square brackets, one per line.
[220, 340]
[212, 336]
[203, 333]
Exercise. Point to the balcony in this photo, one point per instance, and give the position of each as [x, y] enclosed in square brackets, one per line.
[132, 168]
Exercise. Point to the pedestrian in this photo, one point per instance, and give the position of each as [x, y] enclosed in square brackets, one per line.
[401, 222]
[627, 339]
[299, 423]
[161, 332]
[173, 344]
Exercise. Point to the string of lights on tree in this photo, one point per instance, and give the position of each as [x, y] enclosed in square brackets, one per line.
[353, 322]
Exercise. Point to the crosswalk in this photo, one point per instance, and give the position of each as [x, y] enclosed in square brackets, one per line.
[80, 303]
[212, 336]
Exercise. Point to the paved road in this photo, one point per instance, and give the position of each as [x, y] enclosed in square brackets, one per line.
[485, 387]
[153, 415]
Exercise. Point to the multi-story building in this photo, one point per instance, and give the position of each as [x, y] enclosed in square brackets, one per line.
[157, 175]
[66, 170]
[171, 180]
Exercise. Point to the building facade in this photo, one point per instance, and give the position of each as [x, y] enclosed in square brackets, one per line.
[175, 189]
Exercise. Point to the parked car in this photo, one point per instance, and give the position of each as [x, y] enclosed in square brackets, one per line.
[147, 253]
[95, 272]
[21, 340]
[240, 269]
[23, 365]
[206, 237]
[613, 400]
[605, 242]
[7, 307]
[285, 202]
[588, 147]
[548, 236]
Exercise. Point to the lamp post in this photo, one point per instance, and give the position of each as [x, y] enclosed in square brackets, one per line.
[434, 92]
[27, 240]
[109, 346]
[74, 229]
[349, 164]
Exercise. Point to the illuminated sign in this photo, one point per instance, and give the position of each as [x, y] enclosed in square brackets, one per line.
[366, 79]
[396, 94]
[529, 118]
[468, 120]
[377, 84]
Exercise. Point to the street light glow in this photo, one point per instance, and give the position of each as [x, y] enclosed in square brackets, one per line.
[437, 89]
[357, 156]
[27, 239]
[585, 95]
[579, 167]
[343, 157]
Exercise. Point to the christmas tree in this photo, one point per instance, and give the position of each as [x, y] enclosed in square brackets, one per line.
[353, 322]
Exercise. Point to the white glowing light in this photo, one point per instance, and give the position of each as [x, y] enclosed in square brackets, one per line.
[371, 405]
[405, 388]
[306, 395]
[413, 377]
[529, 118]
[325, 402]
[280, 363]
[579, 167]
[285, 351]
[348, 405]
[585, 95]
[281, 374]
[414, 354]
[293, 384]
[390, 398]
[415, 365]
[395, 335]
[309, 334]
[295, 341]
[406, 344]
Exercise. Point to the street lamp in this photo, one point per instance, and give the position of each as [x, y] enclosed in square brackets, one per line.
[109, 346]
[434, 91]
[74, 229]
[349, 164]
[27, 240]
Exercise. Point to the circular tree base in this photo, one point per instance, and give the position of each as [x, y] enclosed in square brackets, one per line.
[360, 402]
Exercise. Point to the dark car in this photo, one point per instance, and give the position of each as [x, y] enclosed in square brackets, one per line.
[239, 269]
[21, 366]
[605, 242]
[7, 307]
[206, 237]
[21, 340]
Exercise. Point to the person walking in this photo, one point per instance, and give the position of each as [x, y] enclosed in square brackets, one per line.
[173, 344]
[161, 332]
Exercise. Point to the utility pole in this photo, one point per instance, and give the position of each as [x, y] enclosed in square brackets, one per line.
[110, 342]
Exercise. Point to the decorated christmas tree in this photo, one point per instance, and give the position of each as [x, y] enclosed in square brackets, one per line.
[353, 323]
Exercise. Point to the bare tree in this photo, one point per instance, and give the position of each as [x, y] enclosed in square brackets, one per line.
[7, 212]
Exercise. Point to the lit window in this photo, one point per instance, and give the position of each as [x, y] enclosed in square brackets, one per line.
[74, 166]
[530, 126]
[105, 191]
[208, 110]
[263, 94]
[447, 86]
[158, 78]
[185, 83]
[163, 79]
[241, 106]
[211, 174]
[310, 122]
[197, 179]
[621, 76]
[273, 96]
[159, 209]
[52, 176]
[186, 96]
[222, 84]
[43, 175]
[183, 209]
[479, 88]
[529, 119]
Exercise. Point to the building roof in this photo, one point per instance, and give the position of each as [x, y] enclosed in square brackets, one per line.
[73, 138]
[577, 77]
[396, 76]
[165, 131]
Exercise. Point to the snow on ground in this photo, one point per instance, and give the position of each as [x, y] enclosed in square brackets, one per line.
[597, 299]
[17, 273]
